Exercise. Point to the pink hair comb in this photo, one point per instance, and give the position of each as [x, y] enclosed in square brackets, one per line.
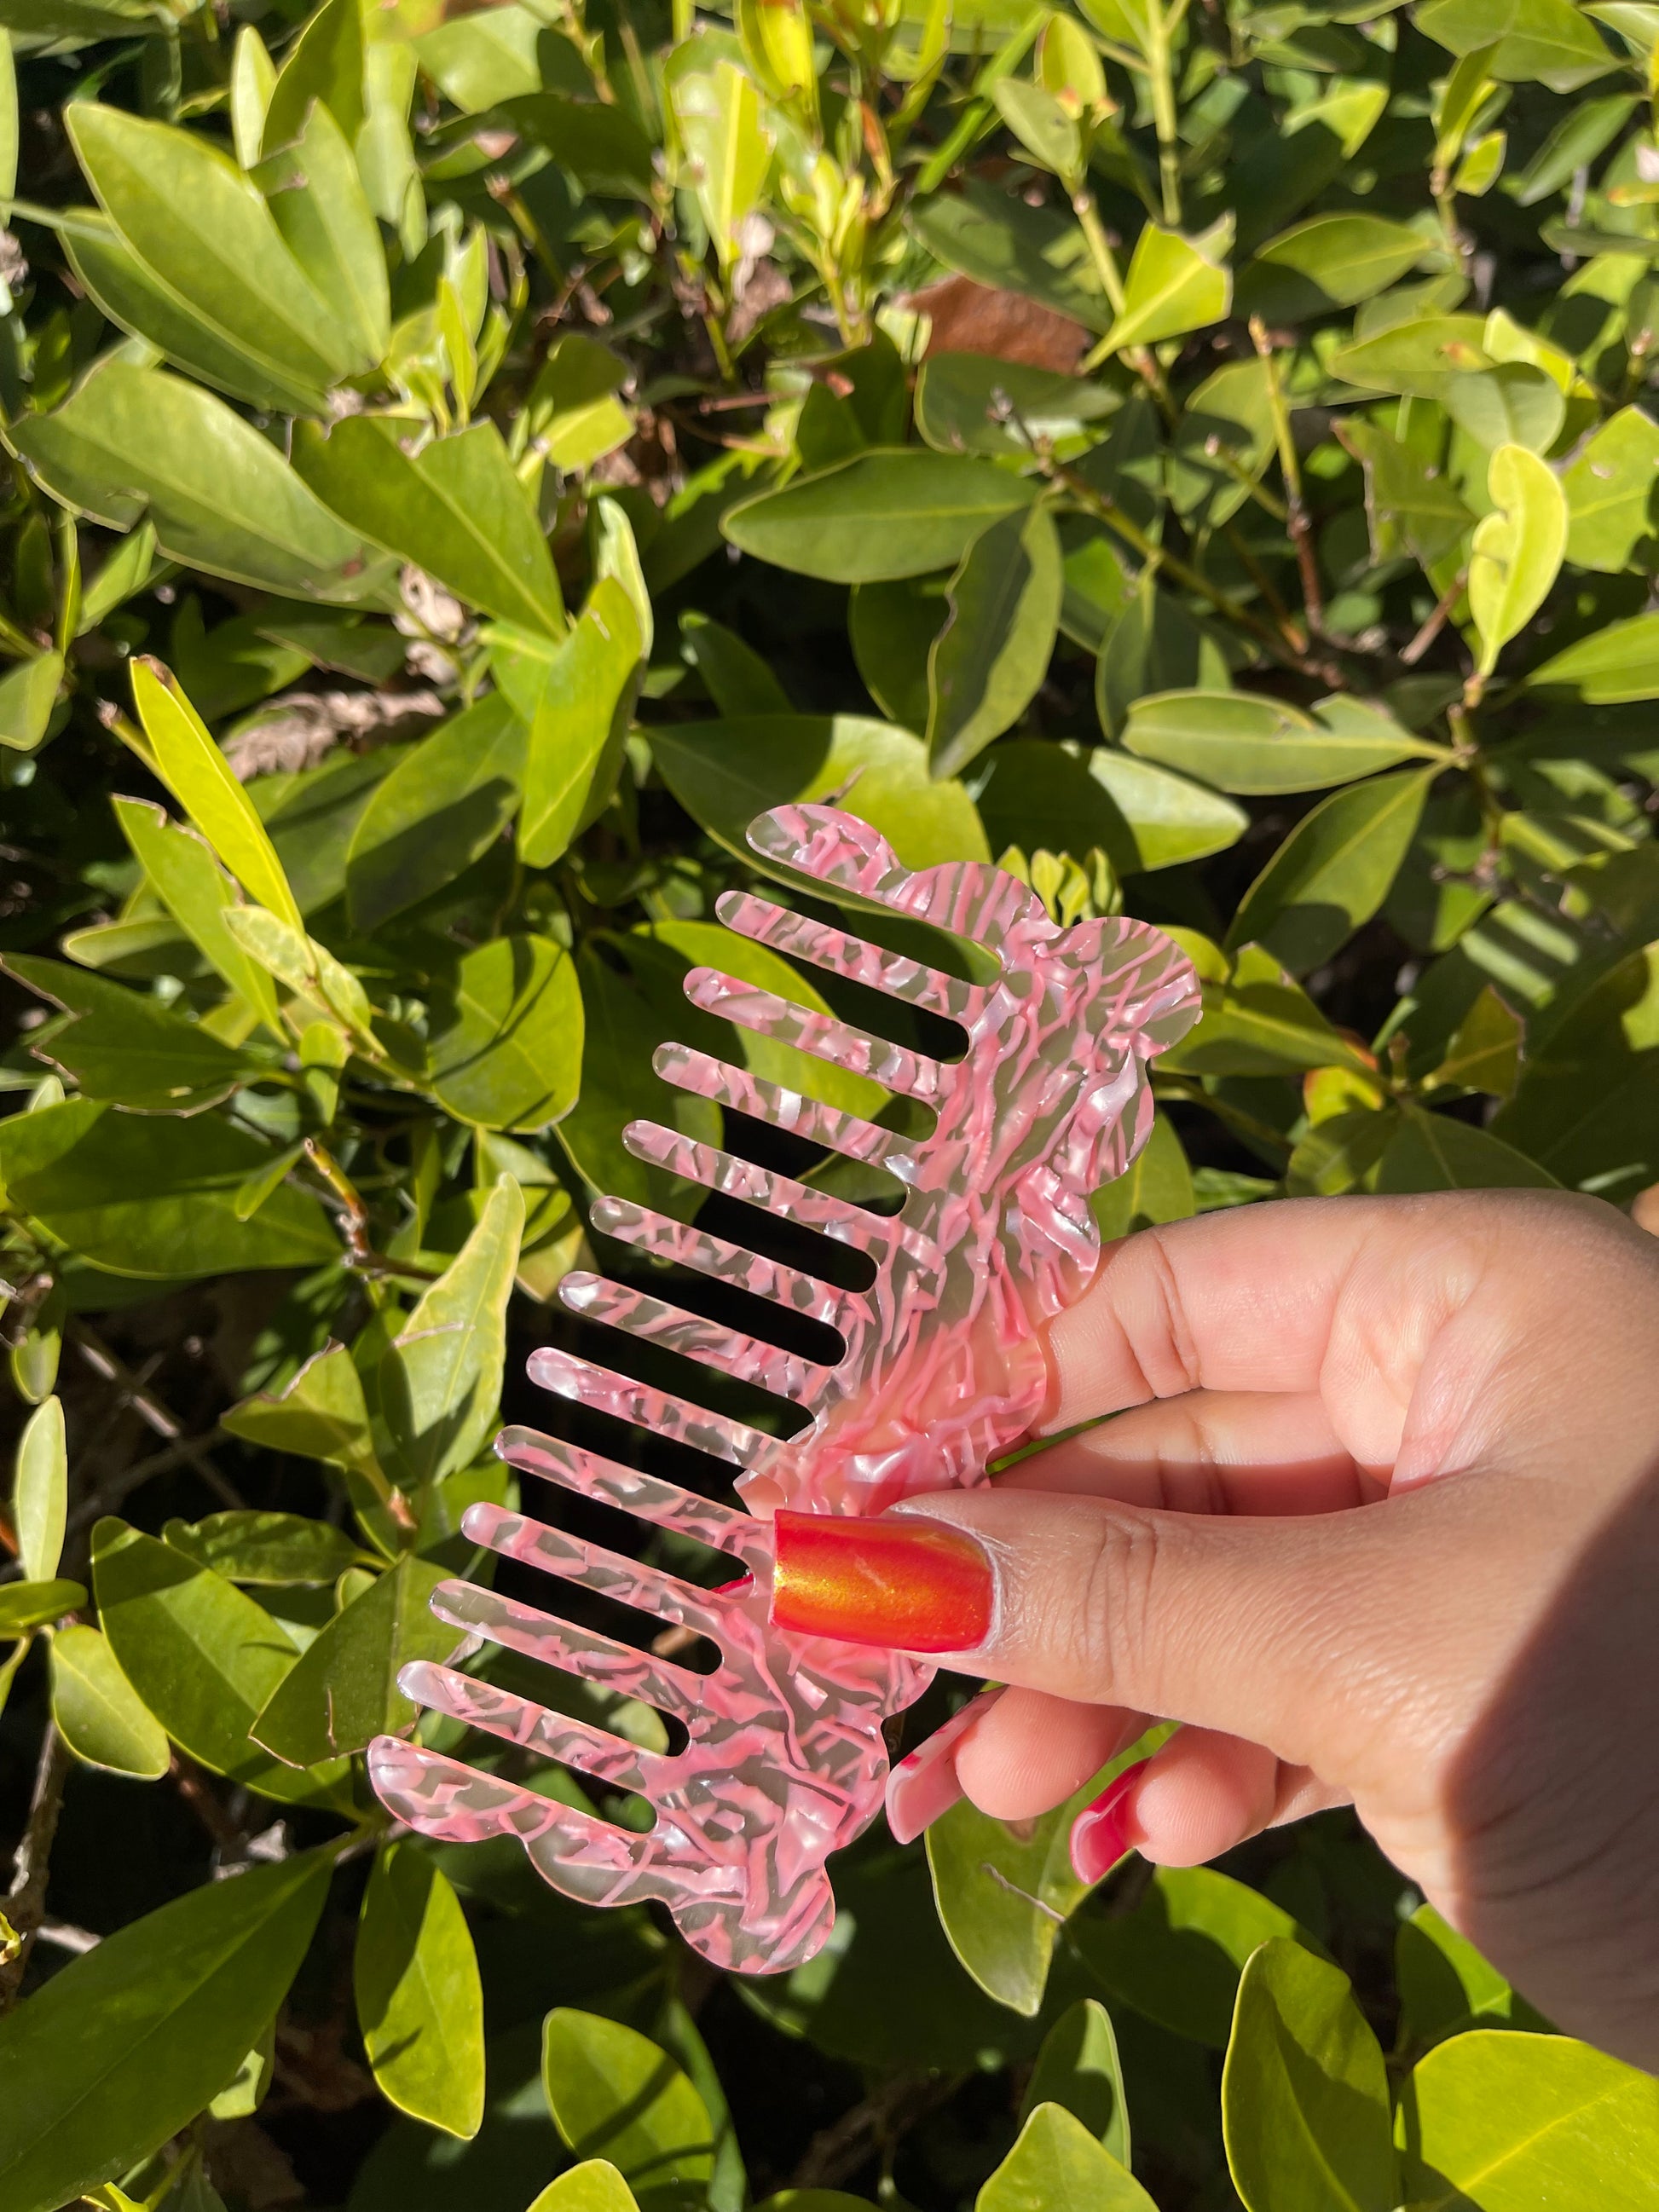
[786, 1758]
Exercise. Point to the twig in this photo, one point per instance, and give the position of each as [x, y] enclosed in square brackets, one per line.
[1296, 512]
[63, 1936]
[149, 1409]
[27, 1900]
[187, 1452]
[837, 2152]
[1435, 622]
[191, 1786]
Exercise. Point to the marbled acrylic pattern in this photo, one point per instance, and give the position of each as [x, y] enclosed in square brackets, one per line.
[784, 1760]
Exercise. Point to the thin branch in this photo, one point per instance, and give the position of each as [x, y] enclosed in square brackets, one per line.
[191, 1785]
[1297, 517]
[836, 2153]
[106, 1496]
[149, 1409]
[1435, 622]
[63, 1937]
[26, 1902]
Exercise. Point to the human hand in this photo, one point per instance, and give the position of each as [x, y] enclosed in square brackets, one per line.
[1378, 1520]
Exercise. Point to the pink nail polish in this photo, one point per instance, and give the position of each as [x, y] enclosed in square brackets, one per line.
[924, 1784]
[1100, 1832]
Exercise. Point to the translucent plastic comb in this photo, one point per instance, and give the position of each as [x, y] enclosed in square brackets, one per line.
[786, 1760]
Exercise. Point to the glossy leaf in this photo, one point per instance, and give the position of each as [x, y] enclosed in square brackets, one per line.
[1609, 486]
[1304, 2098]
[595, 2185]
[1058, 2166]
[99, 1713]
[989, 660]
[1245, 743]
[123, 1045]
[1078, 2067]
[1173, 285]
[420, 2003]
[1329, 260]
[28, 693]
[1507, 2121]
[273, 1549]
[1178, 1956]
[27, 1604]
[616, 2095]
[1333, 871]
[1517, 550]
[455, 508]
[321, 1414]
[343, 1691]
[880, 515]
[179, 863]
[506, 1039]
[1609, 667]
[204, 1658]
[580, 721]
[39, 1494]
[446, 801]
[197, 1980]
[1583, 1110]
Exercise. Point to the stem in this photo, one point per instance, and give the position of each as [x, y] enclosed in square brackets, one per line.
[1437, 621]
[1163, 111]
[150, 1410]
[25, 1903]
[1296, 512]
[1100, 246]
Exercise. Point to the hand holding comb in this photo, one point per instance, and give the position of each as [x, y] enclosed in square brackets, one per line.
[786, 1760]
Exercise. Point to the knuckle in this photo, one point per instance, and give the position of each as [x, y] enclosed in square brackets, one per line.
[1117, 1577]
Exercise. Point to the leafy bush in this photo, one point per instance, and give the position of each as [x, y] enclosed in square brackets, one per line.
[462, 471]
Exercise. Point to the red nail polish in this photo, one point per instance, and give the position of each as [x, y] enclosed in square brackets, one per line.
[924, 1785]
[907, 1583]
[1100, 1832]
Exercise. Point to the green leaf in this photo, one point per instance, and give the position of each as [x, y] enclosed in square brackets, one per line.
[253, 78]
[505, 1036]
[130, 442]
[1445, 1985]
[1243, 742]
[439, 1383]
[616, 2095]
[124, 2047]
[602, 147]
[991, 657]
[1177, 1958]
[321, 1415]
[1058, 2166]
[1079, 2068]
[573, 409]
[1516, 550]
[1333, 871]
[8, 124]
[99, 1713]
[445, 802]
[28, 695]
[318, 204]
[24, 1606]
[1155, 645]
[420, 2002]
[1549, 41]
[1583, 1108]
[455, 508]
[203, 1658]
[1418, 359]
[324, 63]
[478, 61]
[201, 780]
[580, 723]
[1221, 446]
[878, 516]
[728, 150]
[988, 235]
[724, 774]
[971, 403]
[595, 2185]
[192, 218]
[39, 1495]
[179, 866]
[343, 1691]
[1609, 667]
[1328, 261]
[892, 627]
[1173, 285]
[1305, 2096]
[155, 1196]
[1410, 503]
[1433, 1151]
[1513, 403]
[276, 1549]
[1510, 2122]
[1609, 487]
[1054, 139]
[1158, 1186]
[126, 1046]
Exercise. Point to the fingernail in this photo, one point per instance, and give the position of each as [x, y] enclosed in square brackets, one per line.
[924, 1785]
[906, 1582]
[1100, 1833]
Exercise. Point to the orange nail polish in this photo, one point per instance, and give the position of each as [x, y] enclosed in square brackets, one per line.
[896, 1580]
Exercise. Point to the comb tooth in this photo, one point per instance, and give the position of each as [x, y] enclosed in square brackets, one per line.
[439, 1796]
[660, 1411]
[854, 957]
[709, 1342]
[665, 1239]
[774, 1194]
[515, 1720]
[579, 1651]
[786, 1110]
[837, 1042]
[575, 1560]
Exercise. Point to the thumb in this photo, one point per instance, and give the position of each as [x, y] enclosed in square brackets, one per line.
[1285, 1631]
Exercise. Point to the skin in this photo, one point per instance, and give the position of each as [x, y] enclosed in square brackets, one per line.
[1377, 1518]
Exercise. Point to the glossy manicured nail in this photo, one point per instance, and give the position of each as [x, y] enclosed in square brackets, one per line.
[1100, 1832]
[925, 1784]
[907, 1583]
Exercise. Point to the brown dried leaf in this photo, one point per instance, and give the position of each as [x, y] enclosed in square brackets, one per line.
[970, 318]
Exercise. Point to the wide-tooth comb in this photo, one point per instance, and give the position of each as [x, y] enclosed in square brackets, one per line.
[785, 1759]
